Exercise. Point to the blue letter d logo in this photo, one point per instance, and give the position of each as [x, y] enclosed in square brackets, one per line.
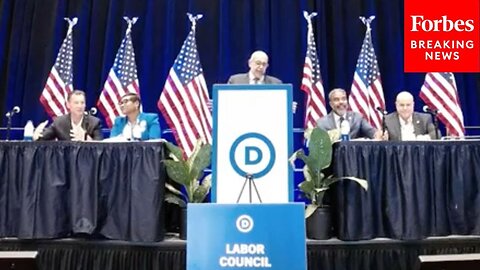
[253, 155]
[248, 156]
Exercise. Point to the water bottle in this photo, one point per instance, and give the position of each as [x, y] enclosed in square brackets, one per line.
[28, 131]
[345, 130]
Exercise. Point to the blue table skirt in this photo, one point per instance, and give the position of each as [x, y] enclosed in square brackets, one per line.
[416, 189]
[55, 189]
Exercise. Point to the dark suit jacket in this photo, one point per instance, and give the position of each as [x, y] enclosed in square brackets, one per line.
[359, 127]
[243, 78]
[422, 125]
[61, 126]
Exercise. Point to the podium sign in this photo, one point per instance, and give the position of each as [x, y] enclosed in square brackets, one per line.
[246, 236]
[252, 131]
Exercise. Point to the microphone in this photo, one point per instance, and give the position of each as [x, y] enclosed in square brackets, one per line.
[15, 110]
[428, 110]
[92, 111]
[9, 115]
[381, 110]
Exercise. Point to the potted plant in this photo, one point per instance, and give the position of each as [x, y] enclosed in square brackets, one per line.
[187, 172]
[318, 179]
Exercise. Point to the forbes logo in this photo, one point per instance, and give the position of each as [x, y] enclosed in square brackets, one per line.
[444, 24]
[441, 36]
[252, 153]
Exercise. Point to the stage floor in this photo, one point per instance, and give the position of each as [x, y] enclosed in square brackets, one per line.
[93, 254]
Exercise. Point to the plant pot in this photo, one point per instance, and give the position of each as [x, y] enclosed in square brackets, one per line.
[183, 223]
[319, 224]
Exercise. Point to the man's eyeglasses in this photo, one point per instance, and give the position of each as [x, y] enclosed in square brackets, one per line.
[260, 63]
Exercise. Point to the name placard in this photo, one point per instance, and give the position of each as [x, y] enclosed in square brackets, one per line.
[246, 236]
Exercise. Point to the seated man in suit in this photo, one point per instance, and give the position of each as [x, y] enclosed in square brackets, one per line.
[359, 127]
[258, 64]
[405, 124]
[74, 126]
[135, 125]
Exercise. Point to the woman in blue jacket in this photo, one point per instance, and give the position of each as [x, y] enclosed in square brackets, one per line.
[135, 125]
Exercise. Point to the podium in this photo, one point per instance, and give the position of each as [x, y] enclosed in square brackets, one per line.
[252, 131]
[246, 236]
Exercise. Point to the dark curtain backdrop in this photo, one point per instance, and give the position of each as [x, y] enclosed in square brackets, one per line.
[31, 32]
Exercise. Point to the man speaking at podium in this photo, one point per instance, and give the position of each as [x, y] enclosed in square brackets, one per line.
[258, 64]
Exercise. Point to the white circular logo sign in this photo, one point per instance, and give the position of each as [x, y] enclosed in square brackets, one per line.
[244, 223]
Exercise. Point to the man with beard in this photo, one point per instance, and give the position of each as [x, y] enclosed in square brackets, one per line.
[359, 127]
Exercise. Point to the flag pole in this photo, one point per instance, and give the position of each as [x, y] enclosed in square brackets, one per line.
[193, 19]
[367, 22]
[130, 23]
[71, 23]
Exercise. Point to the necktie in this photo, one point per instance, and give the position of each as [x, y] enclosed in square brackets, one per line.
[340, 121]
[256, 81]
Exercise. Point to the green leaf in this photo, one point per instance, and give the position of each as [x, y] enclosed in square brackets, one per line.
[320, 150]
[319, 158]
[203, 189]
[362, 182]
[306, 186]
[178, 171]
[199, 160]
[293, 158]
[301, 155]
[330, 180]
[174, 151]
[173, 190]
[307, 174]
[319, 190]
[175, 200]
[310, 209]
[207, 181]
[318, 179]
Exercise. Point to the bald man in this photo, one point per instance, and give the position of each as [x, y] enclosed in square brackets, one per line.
[258, 64]
[407, 125]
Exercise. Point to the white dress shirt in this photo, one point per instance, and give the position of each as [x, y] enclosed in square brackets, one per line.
[407, 129]
[252, 80]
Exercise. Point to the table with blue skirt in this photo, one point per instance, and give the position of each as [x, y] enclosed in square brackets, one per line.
[62, 189]
[416, 190]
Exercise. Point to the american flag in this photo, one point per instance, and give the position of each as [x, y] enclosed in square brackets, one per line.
[122, 78]
[439, 92]
[60, 80]
[367, 92]
[312, 80]
[184, 99]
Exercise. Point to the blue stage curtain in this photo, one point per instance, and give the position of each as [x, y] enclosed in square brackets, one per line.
[31, 32]
[416, 189]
